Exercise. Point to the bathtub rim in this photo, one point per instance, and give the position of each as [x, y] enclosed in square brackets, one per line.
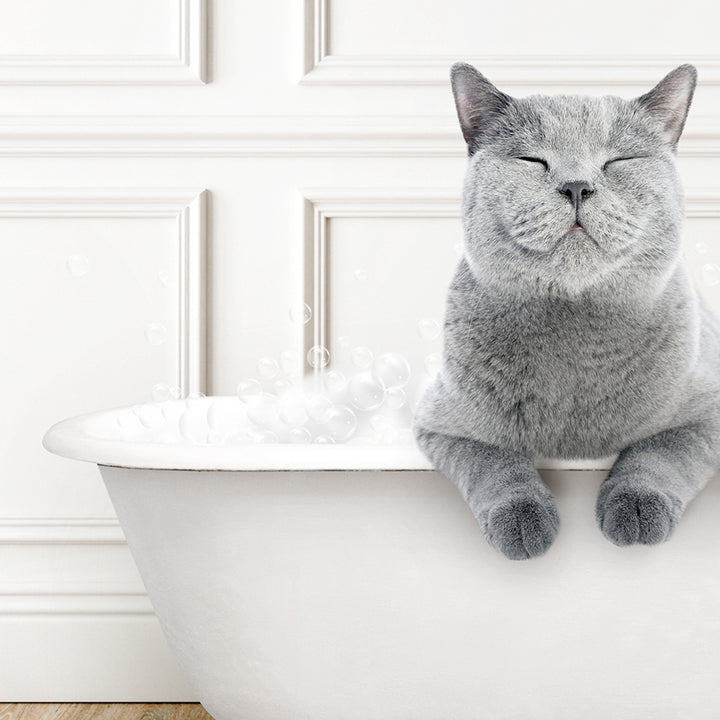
[69, 438]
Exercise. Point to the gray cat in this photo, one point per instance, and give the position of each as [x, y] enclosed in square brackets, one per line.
[572, 328]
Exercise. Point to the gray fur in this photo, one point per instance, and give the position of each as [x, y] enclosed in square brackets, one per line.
[574, 344]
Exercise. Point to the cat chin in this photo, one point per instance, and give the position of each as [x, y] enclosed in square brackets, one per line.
[576, 267]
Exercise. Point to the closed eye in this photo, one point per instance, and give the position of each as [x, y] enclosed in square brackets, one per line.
[535, 160]
[620, 159]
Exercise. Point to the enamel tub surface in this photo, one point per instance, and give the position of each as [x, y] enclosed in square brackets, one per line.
[312, 582]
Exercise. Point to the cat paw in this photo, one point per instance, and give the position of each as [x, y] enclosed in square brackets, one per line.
[522, 527]
[630, 514]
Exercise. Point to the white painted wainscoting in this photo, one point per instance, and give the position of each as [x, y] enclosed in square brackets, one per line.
[176, 174]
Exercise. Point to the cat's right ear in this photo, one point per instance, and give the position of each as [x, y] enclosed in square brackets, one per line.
[478, 102]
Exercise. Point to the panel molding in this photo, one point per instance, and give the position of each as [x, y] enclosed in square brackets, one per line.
[60, 531]
[55, 600]
[77, 594]
[323, 68]
[269, 136]
[187, 66]
[323, 204]
[187, 206]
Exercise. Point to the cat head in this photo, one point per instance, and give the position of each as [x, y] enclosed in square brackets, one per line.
[567, 193]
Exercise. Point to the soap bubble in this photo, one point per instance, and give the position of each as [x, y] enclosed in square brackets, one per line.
[175, 392]
[127, 420]
[237, 437]
[289, 361]
[155, 333]
[378, 423]
[395, 398]
[165, 278]
[391, 370]
[318, 407]
[248, 389]
[711, 274]
[282, 386]
[300, 435]
[292, 409]
[701, 248]
[385, 431]
[420, 391]
[318, 356]
[194, 402]
[324, 439]
[433, 363]
[262, 436]
[365, 392]
[335, 381]
[77, 264]
[193, 426]
[263, 410]
[150, 416]
[226, 415]
[341, 424]
[267, 367]
[429, 329]
[361, 275]
[161, 392]
[459, 249]
[300, 313]
[344, 341]
[172, 411]
[362, 357]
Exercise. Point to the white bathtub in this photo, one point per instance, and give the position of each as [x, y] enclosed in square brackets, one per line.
[352, 583]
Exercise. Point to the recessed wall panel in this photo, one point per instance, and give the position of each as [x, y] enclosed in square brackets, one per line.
[99, 295]
[462, 28]
[387, 281]
[89, 27]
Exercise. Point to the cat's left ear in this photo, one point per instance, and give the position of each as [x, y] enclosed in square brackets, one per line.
[669, 101]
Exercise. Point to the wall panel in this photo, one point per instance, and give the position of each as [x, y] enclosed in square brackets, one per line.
[102, 42]
[358, 43]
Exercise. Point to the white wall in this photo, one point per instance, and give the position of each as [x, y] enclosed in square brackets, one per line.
[138, 148]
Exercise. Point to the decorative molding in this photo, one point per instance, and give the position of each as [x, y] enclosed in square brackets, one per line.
[74, 597]
[58, 599]
[316, 33]
[238, 136]
[61, 531]
[511, 70]
[187, 206]
[188, 66]
[323, 68]
[702, 202]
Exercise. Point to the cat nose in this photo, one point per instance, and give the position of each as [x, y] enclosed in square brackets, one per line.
[576, 191]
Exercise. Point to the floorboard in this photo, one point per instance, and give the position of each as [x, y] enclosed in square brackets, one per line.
[103, 711]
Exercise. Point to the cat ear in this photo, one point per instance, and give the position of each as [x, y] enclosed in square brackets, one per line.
[669, 101]
[477, 101]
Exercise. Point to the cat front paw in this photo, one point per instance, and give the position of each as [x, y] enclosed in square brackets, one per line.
[630, 513]
[522, 527]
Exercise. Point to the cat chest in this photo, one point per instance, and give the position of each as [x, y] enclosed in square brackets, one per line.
[553, 390]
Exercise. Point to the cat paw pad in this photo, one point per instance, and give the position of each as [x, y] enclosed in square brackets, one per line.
[522, 528]
[629, 515]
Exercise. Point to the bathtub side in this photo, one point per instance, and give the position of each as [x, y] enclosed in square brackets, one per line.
[355, 595]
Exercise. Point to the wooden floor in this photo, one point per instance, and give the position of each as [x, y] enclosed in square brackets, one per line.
[103, 711]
